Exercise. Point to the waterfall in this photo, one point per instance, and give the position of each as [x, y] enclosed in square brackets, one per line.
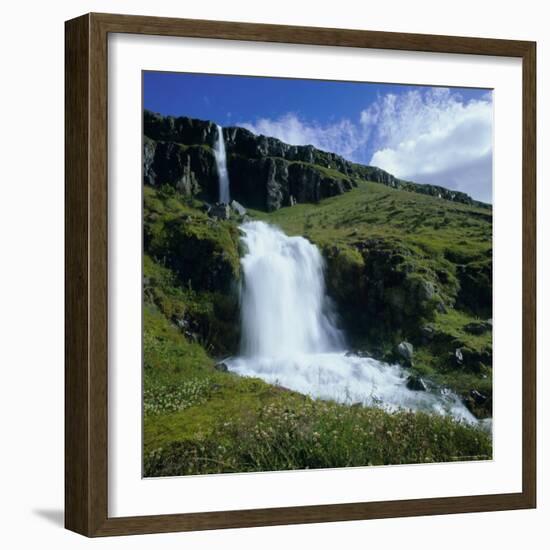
[290, 337]
[221, 163]
[284, 307]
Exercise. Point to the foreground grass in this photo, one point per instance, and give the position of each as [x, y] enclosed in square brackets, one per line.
[198, 420]
[296, 434]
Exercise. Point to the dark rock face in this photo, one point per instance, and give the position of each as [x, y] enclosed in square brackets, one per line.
[183, 130]
[197, 257]
[397, 292]
[378, 280]
[191, 170]
[242, 142]
[265, 172]
[476, 286]
[259, 183]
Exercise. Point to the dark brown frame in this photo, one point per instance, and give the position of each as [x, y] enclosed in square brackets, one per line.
[87, 286]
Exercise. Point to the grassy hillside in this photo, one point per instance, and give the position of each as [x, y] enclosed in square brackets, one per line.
[422, 260]
[442, 244]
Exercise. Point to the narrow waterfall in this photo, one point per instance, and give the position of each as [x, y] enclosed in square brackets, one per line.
[221, 163]
[290, 338]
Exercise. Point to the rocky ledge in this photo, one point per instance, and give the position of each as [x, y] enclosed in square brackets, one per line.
[265, 173]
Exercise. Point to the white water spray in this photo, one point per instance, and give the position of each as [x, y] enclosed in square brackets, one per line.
[284, 307]
[221, 163]
[289, 336]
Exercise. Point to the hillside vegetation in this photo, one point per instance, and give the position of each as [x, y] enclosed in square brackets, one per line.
[401, 265]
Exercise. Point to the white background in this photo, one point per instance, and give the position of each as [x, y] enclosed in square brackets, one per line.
[31, 228]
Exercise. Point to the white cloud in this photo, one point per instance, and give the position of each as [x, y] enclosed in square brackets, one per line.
[428, 136]
[342, 137]
[434, 137]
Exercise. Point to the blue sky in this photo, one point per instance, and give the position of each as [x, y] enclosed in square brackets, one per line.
[425, 134]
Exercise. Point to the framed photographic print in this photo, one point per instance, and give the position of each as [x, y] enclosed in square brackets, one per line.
[300, 275]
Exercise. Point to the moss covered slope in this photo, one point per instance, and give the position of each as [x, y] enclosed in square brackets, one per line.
[199, 419]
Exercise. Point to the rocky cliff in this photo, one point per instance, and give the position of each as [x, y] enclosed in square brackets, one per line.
[265, 173]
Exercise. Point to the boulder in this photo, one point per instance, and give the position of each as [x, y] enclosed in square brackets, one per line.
[359, 353]
[221, 367]
[479, 404]
[474, 360]
[478, 397]
[238, 208]
[405, 351]
[221, 211]
[415, 383]
[427, 332]
[479, 327]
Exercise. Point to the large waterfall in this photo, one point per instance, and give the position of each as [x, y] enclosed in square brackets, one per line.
[290, 338]
[284, 307]
[221, 163]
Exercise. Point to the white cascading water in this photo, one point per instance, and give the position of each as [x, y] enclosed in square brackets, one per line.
[284, 308]
[289, 336]
[221, 163]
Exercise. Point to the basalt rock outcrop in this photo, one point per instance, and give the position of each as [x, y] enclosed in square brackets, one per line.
[264, 172]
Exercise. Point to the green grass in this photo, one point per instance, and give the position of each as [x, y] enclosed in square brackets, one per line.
[200, 420]
[434, 237]
[299, 433]
[428, 224]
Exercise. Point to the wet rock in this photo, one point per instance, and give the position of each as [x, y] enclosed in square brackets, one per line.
[238, 208]
[405, 351]
[478, 397]
[459, 356]
[479, 404]
[221, 367]
[359, 353]
[415, 383]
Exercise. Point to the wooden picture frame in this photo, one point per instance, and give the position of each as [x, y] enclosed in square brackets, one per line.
[86, 283]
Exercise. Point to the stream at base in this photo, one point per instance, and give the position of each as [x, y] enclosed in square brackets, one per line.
[290, 335]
